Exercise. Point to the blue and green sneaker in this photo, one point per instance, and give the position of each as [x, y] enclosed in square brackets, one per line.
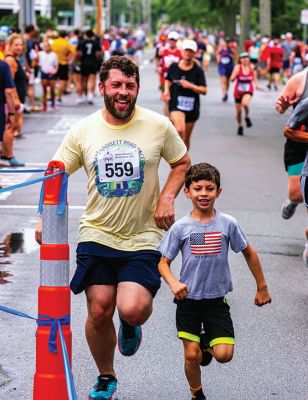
[129, 338]
[105, 388]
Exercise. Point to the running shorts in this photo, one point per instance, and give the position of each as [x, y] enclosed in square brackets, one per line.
[225, 70]
[304, 187]
[213, 313]
[48, 77]
[63, 72]
[295, 169]
[102, 265]
[89, 69]
[190, 116]
[238, 100]
[274, 70]
[294, 153]
[2, 121]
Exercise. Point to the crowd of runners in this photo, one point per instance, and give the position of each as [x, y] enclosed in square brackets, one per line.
[132, 242]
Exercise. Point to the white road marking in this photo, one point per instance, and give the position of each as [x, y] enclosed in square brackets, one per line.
[30, 207]
[63, 125]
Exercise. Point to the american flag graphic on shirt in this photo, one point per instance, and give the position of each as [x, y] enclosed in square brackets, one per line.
[205, 243]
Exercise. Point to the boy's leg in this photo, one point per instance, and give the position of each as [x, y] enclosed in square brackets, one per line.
[222, 353]
[192, 355]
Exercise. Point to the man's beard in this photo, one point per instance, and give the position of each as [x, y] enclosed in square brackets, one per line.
[117, 113]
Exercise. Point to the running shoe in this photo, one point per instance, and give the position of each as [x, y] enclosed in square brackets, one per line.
[305, 255]
[288, 209]
[248, 122]
[129, 338]
[240, 131]
[225, 98]
[105, 388]
[204, 345]
[11, 162]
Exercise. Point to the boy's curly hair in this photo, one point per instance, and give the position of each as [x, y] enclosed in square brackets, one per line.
[202, 171]
[126, 66]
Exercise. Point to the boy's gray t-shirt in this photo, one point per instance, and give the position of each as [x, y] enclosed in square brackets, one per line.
[204, 247]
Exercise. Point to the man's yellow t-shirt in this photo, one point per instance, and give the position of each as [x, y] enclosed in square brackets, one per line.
[122, 167]
[63, 49]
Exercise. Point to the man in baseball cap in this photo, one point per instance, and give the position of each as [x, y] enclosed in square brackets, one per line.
[189, 44]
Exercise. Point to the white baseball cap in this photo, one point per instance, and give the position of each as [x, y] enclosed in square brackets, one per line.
[173, 35]
[189, 44]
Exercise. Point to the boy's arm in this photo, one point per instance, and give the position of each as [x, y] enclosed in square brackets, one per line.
[178, 288]
[262, 296]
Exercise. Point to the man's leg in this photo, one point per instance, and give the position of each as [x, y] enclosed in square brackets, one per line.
[100, 331]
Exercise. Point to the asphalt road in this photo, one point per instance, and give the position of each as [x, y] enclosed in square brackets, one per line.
[271, 354]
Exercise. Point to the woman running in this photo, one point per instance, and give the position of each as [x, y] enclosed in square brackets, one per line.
[245, 76]
[225, 63]
[184, 83]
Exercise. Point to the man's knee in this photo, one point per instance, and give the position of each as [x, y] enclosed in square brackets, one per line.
[135, 314]
[193, 356]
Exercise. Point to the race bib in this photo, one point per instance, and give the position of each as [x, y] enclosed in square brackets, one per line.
[185, 103]
[225, 60]
[243, 87]
[119, 165]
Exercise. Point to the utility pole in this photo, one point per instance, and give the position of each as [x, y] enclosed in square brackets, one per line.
[265, 17]
[26, 14]
[99, 17]
[79, 14]
[245, 21]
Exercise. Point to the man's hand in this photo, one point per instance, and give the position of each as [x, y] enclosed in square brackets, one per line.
[179, 290]
[164, 213]
[284, 102]
[262, 297]
[38, 231]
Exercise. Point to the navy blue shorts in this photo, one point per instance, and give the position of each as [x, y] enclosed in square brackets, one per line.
[102, 265]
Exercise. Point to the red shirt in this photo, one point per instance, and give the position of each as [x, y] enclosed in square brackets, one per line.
[276, 57]
[169, 57]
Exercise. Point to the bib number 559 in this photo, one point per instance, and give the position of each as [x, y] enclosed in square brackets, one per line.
[119, 169]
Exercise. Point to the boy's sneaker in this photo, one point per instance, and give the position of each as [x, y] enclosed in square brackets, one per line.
[129, 338]
[105, 388]
[248, 122]
[305, 255]
[288, 209]
[225, 98]
[206, 356]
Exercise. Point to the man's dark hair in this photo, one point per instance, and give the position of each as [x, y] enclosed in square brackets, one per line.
[202, 171]
[126, 66]
[89, 33]
[62, 34]
[29, 28]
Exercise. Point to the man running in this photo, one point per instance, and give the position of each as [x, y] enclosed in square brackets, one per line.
[120, 148]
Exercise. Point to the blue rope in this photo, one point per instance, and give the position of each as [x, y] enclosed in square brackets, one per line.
[56, 325]
[20, 171]
[27, 183]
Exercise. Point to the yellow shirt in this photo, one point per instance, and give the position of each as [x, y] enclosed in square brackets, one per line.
[122, 167]
[63, 50]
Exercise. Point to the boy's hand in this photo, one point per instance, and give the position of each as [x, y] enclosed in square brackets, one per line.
[262, 297]
[179, 290]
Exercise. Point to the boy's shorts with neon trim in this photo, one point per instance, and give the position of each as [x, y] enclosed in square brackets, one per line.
[213, 313]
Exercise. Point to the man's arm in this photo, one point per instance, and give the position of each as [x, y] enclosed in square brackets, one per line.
[262, 296]
[295, 135]
[292, 92]
[164, 213]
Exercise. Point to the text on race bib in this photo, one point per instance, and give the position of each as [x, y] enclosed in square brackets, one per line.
[119, 165]
[185, 103]
[244, 87]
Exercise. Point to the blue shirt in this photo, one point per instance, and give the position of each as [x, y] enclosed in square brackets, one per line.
[6, 80]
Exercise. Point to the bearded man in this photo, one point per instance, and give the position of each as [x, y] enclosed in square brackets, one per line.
[120, 148]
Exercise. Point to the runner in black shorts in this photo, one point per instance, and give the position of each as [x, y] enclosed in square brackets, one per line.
[90, 52]
[184, 83]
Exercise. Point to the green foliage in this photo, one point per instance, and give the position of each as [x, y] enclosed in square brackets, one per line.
[61, 5]
[44, 23]
[11, 20]
[286, 16]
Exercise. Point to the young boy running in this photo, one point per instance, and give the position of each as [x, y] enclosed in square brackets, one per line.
[203, 318]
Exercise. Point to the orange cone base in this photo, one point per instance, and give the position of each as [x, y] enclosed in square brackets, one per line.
[49, 387]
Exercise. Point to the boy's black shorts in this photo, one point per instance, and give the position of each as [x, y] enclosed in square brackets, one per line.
[213, 313]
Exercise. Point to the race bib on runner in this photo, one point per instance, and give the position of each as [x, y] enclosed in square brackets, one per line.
[225, 60]
[243, 87]
[119, 165]
[185, 103]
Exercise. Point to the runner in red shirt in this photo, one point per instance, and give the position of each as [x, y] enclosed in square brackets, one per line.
[274, 64]
[245, 76]
[170, 55]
